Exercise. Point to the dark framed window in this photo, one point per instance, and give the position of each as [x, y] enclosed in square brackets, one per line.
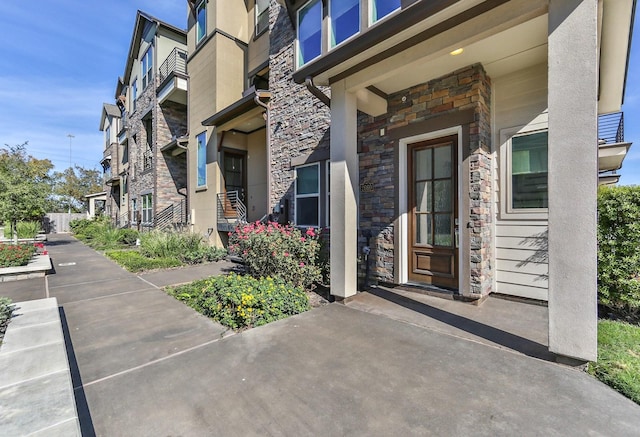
[262, 16]
[147, 68]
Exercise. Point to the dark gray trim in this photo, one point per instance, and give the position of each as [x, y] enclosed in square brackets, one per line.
[378, 92]
[309, 158]
[258, 69]
[626, 67]
[210, 37]
[433, 124]
[317, 92]
[393, 25]
[248, 133]
[232, 111]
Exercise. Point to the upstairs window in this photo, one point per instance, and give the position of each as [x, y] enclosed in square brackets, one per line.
[147, 208]
[201, 21]
[381, 8]
[134, 95]
[262, 16]
[147, 67]
[107, 136]
[345, 19]
[202, 159]
[309, 32]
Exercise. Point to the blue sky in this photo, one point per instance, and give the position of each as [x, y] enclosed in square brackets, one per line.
[58, 65]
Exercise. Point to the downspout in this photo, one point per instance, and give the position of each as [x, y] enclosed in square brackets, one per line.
[313, 89]
[268, 145]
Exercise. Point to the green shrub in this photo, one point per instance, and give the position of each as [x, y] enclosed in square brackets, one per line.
[162, 244]
[242, 301]
[6, 309]
[28, 229]
[16, 255]
[279, 251]
[129, 236]
[134, 261]
[619, 249]
[204, 254]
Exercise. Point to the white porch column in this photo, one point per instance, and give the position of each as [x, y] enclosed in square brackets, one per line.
[573, 178]
[344, 185]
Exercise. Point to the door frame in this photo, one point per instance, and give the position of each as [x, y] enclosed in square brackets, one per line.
[404, 233]
[237, 152]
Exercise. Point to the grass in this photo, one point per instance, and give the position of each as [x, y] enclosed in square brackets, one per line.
[618, 357]
[135, 262]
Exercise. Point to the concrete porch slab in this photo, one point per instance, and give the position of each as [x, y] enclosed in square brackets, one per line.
[508, 324]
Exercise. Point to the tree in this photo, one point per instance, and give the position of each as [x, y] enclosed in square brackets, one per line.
[25, 185]
[72, 184]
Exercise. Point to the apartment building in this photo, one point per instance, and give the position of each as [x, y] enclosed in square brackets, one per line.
[145, 162]
[228, 44]
[464, 145]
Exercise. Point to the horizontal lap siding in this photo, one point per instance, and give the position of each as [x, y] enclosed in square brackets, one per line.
[520, 245]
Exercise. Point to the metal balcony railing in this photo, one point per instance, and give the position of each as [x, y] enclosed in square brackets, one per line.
[231, 211]
[147, 160]
[176, 62]
[611, 128]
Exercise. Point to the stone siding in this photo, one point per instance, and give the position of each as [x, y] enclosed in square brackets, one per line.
[465, 89]
[299, 122]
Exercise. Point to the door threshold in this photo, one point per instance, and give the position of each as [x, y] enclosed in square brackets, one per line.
[428, 289]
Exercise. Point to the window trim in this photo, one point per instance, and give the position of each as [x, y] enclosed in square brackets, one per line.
[204, 143]
[370, 20]
[297, 51]
[506, 183]
[149, 209]
[331, 47]
[256, 15]
[316, 195]
[327, 178]
[203, 4]
[147, 76]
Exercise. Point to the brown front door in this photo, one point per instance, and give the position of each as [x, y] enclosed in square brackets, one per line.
[234, 172]
[433, 212]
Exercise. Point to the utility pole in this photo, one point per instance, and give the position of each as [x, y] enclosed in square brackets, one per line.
[70, 138]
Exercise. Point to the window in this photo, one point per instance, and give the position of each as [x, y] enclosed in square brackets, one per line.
[147, 210]
[134, 94]
[134, 209]
[528, 166]
[262, 16]
[307, 195]
[107, 136]
[202, 159]
[147, 67]
[345, 19]
[328, 218]
[201, 21]
[309, 32]
[125, 152]
[381, 8]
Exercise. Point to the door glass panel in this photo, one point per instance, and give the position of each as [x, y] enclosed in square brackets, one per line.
[443, 230]
[442, 195]
[423, 196]
[423, 229]
[422, 159]
[442, 162]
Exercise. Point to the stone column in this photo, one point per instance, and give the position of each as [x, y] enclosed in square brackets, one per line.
[573, 178]
[344, 185]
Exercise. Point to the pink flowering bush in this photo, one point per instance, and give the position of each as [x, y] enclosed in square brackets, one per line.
[278, 251]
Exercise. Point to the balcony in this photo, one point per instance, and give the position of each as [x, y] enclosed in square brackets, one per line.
[612, 148]
[173, 78]
[147, 160]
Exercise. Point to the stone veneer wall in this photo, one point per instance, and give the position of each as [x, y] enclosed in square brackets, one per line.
[168, 173]
[299, 121]
[467, 88]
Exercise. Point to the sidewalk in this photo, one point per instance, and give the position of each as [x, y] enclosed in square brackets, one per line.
[144, 364]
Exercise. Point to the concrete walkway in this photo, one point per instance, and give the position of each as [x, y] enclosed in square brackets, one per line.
[145, 364]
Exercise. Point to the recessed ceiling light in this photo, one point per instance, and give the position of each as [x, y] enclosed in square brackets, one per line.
[457, 51]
